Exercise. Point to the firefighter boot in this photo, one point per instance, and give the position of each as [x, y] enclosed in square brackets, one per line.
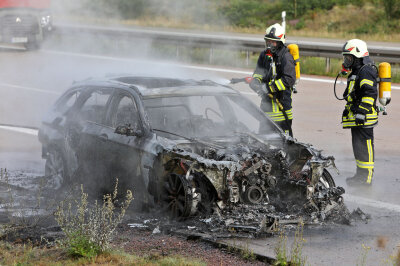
[360, 179]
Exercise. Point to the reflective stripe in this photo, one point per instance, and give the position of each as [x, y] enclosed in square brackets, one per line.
[366, 81]
[353, 123]
[278, 116]
[370, 151]
[368, 100]
[365, 165]
[351, 86]
[362, 107]
[274, 106]
[280, 85]
[369, 178]
[258, 76]
[370, 160]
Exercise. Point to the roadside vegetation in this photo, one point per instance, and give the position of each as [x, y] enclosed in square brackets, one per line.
[295, 255]
[28, 254]
[377, 20]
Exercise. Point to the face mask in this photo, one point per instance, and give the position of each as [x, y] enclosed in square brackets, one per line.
[348, 61]
[271, 45]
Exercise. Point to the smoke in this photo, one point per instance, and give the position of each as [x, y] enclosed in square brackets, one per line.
[184, 12]
[41, 76]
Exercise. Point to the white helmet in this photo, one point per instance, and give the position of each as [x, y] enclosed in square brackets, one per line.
[275, 32]
[355, 47]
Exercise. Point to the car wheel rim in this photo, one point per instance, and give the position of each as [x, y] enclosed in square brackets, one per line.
[175, 196]
[54, 170]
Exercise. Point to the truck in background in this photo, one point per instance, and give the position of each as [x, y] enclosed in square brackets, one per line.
[25, 22]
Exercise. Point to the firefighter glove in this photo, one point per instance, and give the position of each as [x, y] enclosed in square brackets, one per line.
[360, 119]
[255, 85]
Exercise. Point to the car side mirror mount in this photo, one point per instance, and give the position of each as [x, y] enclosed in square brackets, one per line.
[128, 130]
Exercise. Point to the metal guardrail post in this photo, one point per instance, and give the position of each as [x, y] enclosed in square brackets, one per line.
[328, 65]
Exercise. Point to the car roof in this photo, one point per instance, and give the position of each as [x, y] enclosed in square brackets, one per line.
[154, 87]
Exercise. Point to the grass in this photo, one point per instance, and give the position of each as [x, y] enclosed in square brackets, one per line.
[295, 256]
[29, 255]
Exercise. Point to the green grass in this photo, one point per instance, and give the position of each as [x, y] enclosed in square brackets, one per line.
[29, 255]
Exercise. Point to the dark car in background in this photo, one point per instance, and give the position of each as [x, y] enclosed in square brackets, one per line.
[189, 146]
[25, 22]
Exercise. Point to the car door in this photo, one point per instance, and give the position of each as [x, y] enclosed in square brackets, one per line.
[123, 149]
[84, 135]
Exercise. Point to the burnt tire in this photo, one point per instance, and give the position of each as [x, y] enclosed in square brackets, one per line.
[327, 179]
[176, 197]
[55, 170]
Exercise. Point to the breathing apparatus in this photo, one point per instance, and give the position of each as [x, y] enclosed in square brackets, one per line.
[384, 81]
[355, 52]
[294, 51]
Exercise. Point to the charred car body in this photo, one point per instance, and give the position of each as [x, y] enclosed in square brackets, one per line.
[25, 22]
[195, 146]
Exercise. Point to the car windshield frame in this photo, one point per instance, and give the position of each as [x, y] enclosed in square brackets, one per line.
[225, 101]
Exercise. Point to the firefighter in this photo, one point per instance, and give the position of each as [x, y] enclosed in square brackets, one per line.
[360, 114]
[274, 77]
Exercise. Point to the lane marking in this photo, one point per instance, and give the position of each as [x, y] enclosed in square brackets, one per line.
[28, 88]
[355, 199]
[372, 203]
[29, 131]
[215, 69]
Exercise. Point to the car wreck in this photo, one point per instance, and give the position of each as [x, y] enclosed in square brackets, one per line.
[189, 147]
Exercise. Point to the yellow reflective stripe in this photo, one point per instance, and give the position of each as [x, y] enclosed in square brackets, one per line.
[278, 116]
[368, 100]
[365, 165]
[362, 107]
[366, 81]
[351, 86]
[353, 124]
[258, 76]
[369, 178]
[371, 160]
[275, 108]
[370, 151]
[280, 85]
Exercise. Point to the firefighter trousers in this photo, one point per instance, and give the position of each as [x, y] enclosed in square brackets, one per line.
[363, 149]
[286, 126]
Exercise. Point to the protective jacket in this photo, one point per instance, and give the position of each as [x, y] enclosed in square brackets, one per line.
[283, 81]
[361, 94]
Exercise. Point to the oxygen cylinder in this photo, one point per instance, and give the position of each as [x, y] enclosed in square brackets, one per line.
[384, 83]
[294, 51]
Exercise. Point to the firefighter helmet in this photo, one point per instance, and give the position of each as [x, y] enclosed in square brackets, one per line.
[355, 47]
[275, 32]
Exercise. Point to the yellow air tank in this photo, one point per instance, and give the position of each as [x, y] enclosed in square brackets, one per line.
[385, 94]
[294, 51]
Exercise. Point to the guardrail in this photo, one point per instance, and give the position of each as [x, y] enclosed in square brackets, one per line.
[324, 48]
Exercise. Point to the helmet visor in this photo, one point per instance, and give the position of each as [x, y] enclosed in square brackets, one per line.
[348, 60]
[271, 45]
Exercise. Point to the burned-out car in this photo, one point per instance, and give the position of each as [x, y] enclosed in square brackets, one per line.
[193, 146]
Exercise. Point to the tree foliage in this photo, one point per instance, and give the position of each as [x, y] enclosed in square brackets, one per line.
[392, 8]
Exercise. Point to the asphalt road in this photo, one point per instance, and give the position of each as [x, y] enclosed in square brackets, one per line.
[31, 81]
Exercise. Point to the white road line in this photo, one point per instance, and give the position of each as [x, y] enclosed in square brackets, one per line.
[29, 131]
[27, 88]
[372, 203]
[215, 69]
